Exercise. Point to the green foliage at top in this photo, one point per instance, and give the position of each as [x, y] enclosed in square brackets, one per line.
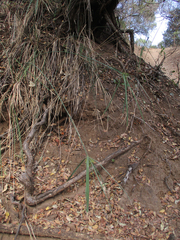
[143, 43]
[160, 45]
[172, 34]
[138, 15]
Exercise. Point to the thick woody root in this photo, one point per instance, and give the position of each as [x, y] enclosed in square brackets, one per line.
[27, 177]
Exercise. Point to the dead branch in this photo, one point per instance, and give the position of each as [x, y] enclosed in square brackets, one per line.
[123, 41]
[160, 64]
[167, 177]
[131, 35]
[34, 200]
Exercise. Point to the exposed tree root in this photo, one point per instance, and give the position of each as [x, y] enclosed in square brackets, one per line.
[22, 219]
[55, 233]
[27, 177]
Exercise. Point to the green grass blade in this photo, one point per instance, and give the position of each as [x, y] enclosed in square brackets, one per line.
[87, 183]
[100, 181]
[136, 102]
[76, 168]
[19, 136]
[113, 179]
[112, 97]
[126, 95]
[36, 6]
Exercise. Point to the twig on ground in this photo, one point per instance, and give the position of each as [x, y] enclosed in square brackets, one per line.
[166, 178]
[133, 166]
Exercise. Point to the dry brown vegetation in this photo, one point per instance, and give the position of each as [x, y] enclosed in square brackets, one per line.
[74, 100]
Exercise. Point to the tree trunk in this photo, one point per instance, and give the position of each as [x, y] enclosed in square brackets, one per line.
[97, 18]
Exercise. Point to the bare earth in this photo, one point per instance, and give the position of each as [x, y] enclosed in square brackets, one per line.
[147, 208]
